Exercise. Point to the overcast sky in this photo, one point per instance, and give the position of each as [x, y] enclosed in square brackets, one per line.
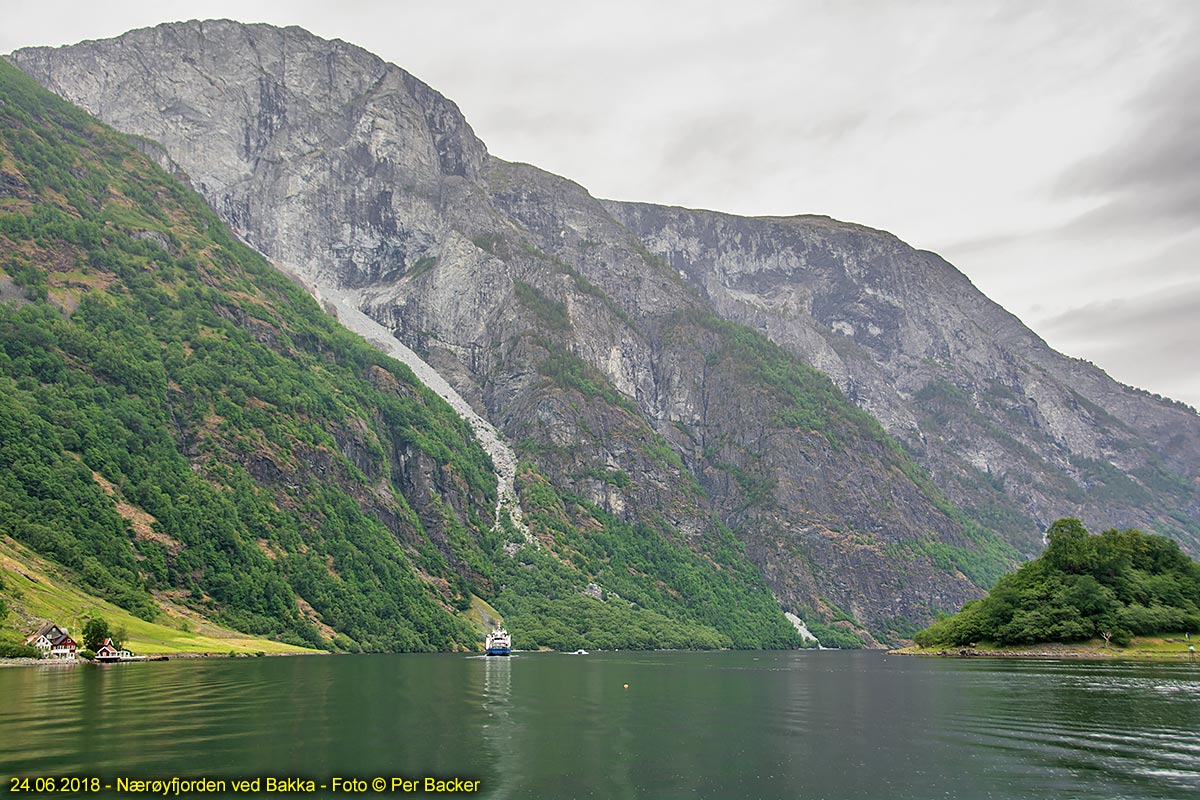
[1050, 150]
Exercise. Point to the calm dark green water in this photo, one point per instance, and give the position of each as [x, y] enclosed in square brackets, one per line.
[720, 725]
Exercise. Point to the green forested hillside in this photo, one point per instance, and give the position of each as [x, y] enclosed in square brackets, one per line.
[1114, 586]
[656, 593]
[179, 420]
[143, 345]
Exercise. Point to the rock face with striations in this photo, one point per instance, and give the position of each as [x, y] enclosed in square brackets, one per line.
[1013, 431]
[653, 360]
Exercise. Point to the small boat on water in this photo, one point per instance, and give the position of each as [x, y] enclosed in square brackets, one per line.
[498, 642]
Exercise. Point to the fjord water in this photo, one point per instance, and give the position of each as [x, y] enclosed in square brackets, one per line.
[720, 725]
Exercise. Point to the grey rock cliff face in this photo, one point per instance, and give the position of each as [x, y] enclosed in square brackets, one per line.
[1001, 419]
[269, 122]
[613, 343]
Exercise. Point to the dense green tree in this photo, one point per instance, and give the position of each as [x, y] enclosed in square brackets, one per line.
[95, 631]
[1114, 585]
[1067, 547]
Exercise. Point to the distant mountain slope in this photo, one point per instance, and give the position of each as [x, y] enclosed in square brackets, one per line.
[181, 425]
[1013, 431]
[626, 350]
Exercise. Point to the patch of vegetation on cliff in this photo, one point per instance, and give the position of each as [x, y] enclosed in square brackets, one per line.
[552, 314]
[1114, 586]
[567, 371]
[947, 411]
[834, 636]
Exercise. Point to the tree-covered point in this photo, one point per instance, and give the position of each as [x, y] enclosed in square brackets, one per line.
[1114, 585]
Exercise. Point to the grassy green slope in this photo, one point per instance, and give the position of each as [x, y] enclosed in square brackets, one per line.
[36, 590]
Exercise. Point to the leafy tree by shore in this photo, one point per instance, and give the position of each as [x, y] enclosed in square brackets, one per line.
[1114, 585]
[95, 631]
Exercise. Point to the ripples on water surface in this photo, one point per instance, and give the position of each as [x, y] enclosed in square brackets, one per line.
[720, 725]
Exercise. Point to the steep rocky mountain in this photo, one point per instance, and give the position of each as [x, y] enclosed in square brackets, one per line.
[656, 365]
[183, 431]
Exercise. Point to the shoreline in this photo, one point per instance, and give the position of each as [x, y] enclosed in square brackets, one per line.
[1051, 652]
[38, 662]
[153, 657]
[191, 656]
[1046, 652]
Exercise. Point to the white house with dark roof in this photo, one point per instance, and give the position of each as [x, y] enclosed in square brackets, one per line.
[53, 642]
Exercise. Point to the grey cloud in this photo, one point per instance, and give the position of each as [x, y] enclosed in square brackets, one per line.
[1170, 313]
[1162, 262]
[1159, 261]
[522, 119]
[1153, 175]
[964, 248]
[1147, 340]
